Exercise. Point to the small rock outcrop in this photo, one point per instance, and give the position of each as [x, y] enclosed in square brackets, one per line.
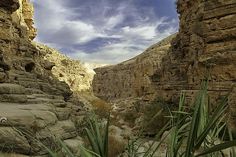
[36, 108]
[205, 44]
[73, 72]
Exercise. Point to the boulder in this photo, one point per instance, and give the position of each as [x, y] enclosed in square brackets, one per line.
[11, 139]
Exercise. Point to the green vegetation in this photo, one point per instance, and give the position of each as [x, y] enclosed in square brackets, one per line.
[101, 108]
[98, 139]
[155, 116]
[198, 132]
[194, 133]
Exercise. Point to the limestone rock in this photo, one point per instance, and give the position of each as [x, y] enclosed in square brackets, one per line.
[205, 44]
[32, 99]
[74, 144]
[11, 139]
[7, 88]
[132, 78]
[62, 130]
[24, 17]
[73, 72]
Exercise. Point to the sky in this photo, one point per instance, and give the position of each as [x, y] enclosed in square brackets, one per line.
[104, 31]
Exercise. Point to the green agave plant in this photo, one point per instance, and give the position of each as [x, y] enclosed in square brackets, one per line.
[192, 134]
[98, 139]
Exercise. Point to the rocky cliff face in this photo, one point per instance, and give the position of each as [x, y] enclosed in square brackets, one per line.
[73, 72]
[132, 78]
[206, 43]
[35, 106]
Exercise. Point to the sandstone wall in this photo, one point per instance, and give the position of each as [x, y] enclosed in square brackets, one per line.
[35, 107]
[205, 45]
[132, 78]
[73, 72]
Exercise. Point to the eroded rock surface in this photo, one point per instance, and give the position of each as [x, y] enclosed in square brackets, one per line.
[205, 44]
[35, 107]
[73, 72]
[132, 78]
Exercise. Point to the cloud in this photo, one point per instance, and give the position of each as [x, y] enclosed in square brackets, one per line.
[126, 49]
[145, 32]
[114, 21]
[105, 31]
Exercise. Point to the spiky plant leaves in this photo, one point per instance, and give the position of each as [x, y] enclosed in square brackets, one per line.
[50, 152]
[233, 149]
[198, 128]
[87, 153]
[65, 148]
[220, 110]
[92, 140]
[106, 137]
[194, 128]
[98, 137]
[217, 148]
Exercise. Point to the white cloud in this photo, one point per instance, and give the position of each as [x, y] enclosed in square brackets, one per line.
[146, 32]
[128, 48]
[83, 32]
[114, 21]
[60, 27]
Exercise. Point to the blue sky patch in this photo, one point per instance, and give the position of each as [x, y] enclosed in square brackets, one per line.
[104, 31]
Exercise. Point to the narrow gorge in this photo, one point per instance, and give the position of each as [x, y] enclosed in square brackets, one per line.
[45, 96]
[205, 45]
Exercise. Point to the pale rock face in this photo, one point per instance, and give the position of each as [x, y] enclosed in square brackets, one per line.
[24, 17]
[76, 74]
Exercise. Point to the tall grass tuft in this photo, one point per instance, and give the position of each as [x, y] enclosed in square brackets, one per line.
[191, 134]
[194, 133]
[98, 139]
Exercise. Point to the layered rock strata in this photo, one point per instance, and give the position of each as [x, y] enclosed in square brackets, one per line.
[205, 45]
[35, 107]
[132, 78]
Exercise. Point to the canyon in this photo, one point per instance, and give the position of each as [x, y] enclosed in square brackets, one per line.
[204, 46]
[45, 95]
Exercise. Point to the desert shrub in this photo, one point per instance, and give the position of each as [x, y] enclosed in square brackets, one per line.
[101, 108]
[194, 133]
[98, 138]
[81, 122]
[154, 116]
[116, 146]
[130, 116]
[191, 134]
